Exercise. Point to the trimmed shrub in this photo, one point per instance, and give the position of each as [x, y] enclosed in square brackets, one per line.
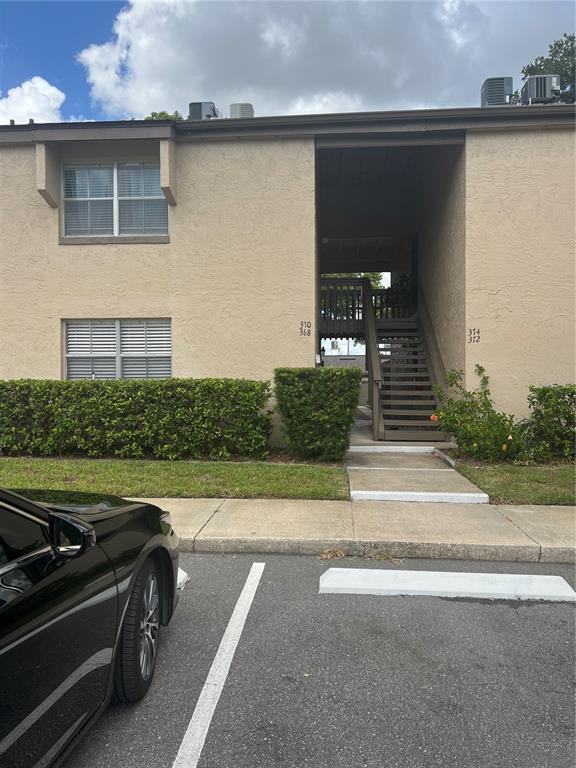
[318, 406]
[550, 431]
[162, 418]
[470, 418]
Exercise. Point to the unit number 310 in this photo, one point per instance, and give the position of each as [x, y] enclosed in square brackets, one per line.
[305, 328]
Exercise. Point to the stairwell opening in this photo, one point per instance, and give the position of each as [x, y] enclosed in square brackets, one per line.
[398, 212]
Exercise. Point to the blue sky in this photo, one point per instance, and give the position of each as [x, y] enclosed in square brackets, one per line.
[27, 50]
[110, 60]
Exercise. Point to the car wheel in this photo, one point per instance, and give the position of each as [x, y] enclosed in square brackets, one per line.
[136, 657]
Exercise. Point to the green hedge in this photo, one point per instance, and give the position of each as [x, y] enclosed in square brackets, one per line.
[164, 418]
[318, 407]
[550, 431]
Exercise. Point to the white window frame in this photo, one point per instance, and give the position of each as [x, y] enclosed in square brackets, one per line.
[115, 200]
[118, 354]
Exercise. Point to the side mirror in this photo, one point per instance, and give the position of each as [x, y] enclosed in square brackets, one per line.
[69, 536]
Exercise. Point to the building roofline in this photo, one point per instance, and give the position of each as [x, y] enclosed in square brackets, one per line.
[418, 121]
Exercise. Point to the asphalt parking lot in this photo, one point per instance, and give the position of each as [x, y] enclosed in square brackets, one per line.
[353, 680]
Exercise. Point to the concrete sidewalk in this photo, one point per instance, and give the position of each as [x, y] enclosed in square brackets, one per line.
[394, 529]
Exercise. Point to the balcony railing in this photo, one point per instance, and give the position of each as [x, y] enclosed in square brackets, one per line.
[390, 304]
[342, 308]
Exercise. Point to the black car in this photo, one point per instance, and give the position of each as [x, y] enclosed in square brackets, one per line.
[85, 583]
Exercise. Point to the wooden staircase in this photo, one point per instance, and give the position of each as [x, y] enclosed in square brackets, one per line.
[406, 394]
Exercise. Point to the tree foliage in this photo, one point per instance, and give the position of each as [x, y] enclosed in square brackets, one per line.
[374, 277]
[561, 60]
[163, 115]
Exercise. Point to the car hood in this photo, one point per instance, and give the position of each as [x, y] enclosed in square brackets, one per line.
[74, 501]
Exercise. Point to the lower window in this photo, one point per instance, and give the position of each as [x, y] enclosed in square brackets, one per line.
[119, 349]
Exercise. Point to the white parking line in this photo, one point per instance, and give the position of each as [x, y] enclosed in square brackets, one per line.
[193, 741]
[491, 586]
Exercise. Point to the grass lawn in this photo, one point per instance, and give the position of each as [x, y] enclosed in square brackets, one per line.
[127, 477]
[517, 484]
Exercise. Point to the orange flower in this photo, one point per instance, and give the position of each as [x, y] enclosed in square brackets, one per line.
[434, 417]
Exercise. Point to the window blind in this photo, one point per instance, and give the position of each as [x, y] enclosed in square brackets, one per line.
[109, 349]
[116, 199]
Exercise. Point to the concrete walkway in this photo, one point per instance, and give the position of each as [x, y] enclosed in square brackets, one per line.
[458, 531]
[405, 472]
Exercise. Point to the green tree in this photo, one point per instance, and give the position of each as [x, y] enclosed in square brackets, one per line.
[164, 116]
[374, 277]
[561, 60]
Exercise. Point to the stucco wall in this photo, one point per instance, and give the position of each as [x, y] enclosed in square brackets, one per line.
[440, 209]
[237, 277]
[520, 254]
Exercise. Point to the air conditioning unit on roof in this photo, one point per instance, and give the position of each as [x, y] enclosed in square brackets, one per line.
[541, 89]
[496, 92]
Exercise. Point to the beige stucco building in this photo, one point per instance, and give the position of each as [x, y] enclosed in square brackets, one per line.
[197, 248]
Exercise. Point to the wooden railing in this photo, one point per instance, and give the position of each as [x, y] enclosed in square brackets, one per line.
[341, 308]
[350, 308]
[389, 306]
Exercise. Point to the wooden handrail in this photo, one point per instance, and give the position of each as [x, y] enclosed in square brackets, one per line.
[374, 364]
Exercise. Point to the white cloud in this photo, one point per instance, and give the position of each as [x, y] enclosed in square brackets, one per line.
[35, 98]
[285, 37]
[326, 102]
[312, 56]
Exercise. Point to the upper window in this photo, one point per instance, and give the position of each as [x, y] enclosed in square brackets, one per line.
[118, 349]
[113, 200]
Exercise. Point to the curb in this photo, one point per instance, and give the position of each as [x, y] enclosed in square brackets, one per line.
[430, 496]
[531, 553]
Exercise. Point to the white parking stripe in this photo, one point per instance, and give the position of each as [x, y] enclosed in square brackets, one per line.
[491, 586]
[193, 741]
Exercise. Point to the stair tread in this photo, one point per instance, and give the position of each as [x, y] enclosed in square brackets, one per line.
[407, 375]
[408, 386]
[419, 399]
[410, 423]
[388, 403]
[406, 412]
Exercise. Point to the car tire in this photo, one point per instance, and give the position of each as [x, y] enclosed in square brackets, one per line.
[138, 649]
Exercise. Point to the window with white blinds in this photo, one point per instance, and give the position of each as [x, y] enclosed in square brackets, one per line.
[114, 200]
[118, 349]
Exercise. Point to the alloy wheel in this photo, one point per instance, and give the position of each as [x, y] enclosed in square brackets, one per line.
[149, 623]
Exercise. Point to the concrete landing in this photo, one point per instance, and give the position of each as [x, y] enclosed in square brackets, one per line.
[361, 440]
[417, 477]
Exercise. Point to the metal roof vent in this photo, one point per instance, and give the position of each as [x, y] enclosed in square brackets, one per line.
[240, 111]
[496, 92]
